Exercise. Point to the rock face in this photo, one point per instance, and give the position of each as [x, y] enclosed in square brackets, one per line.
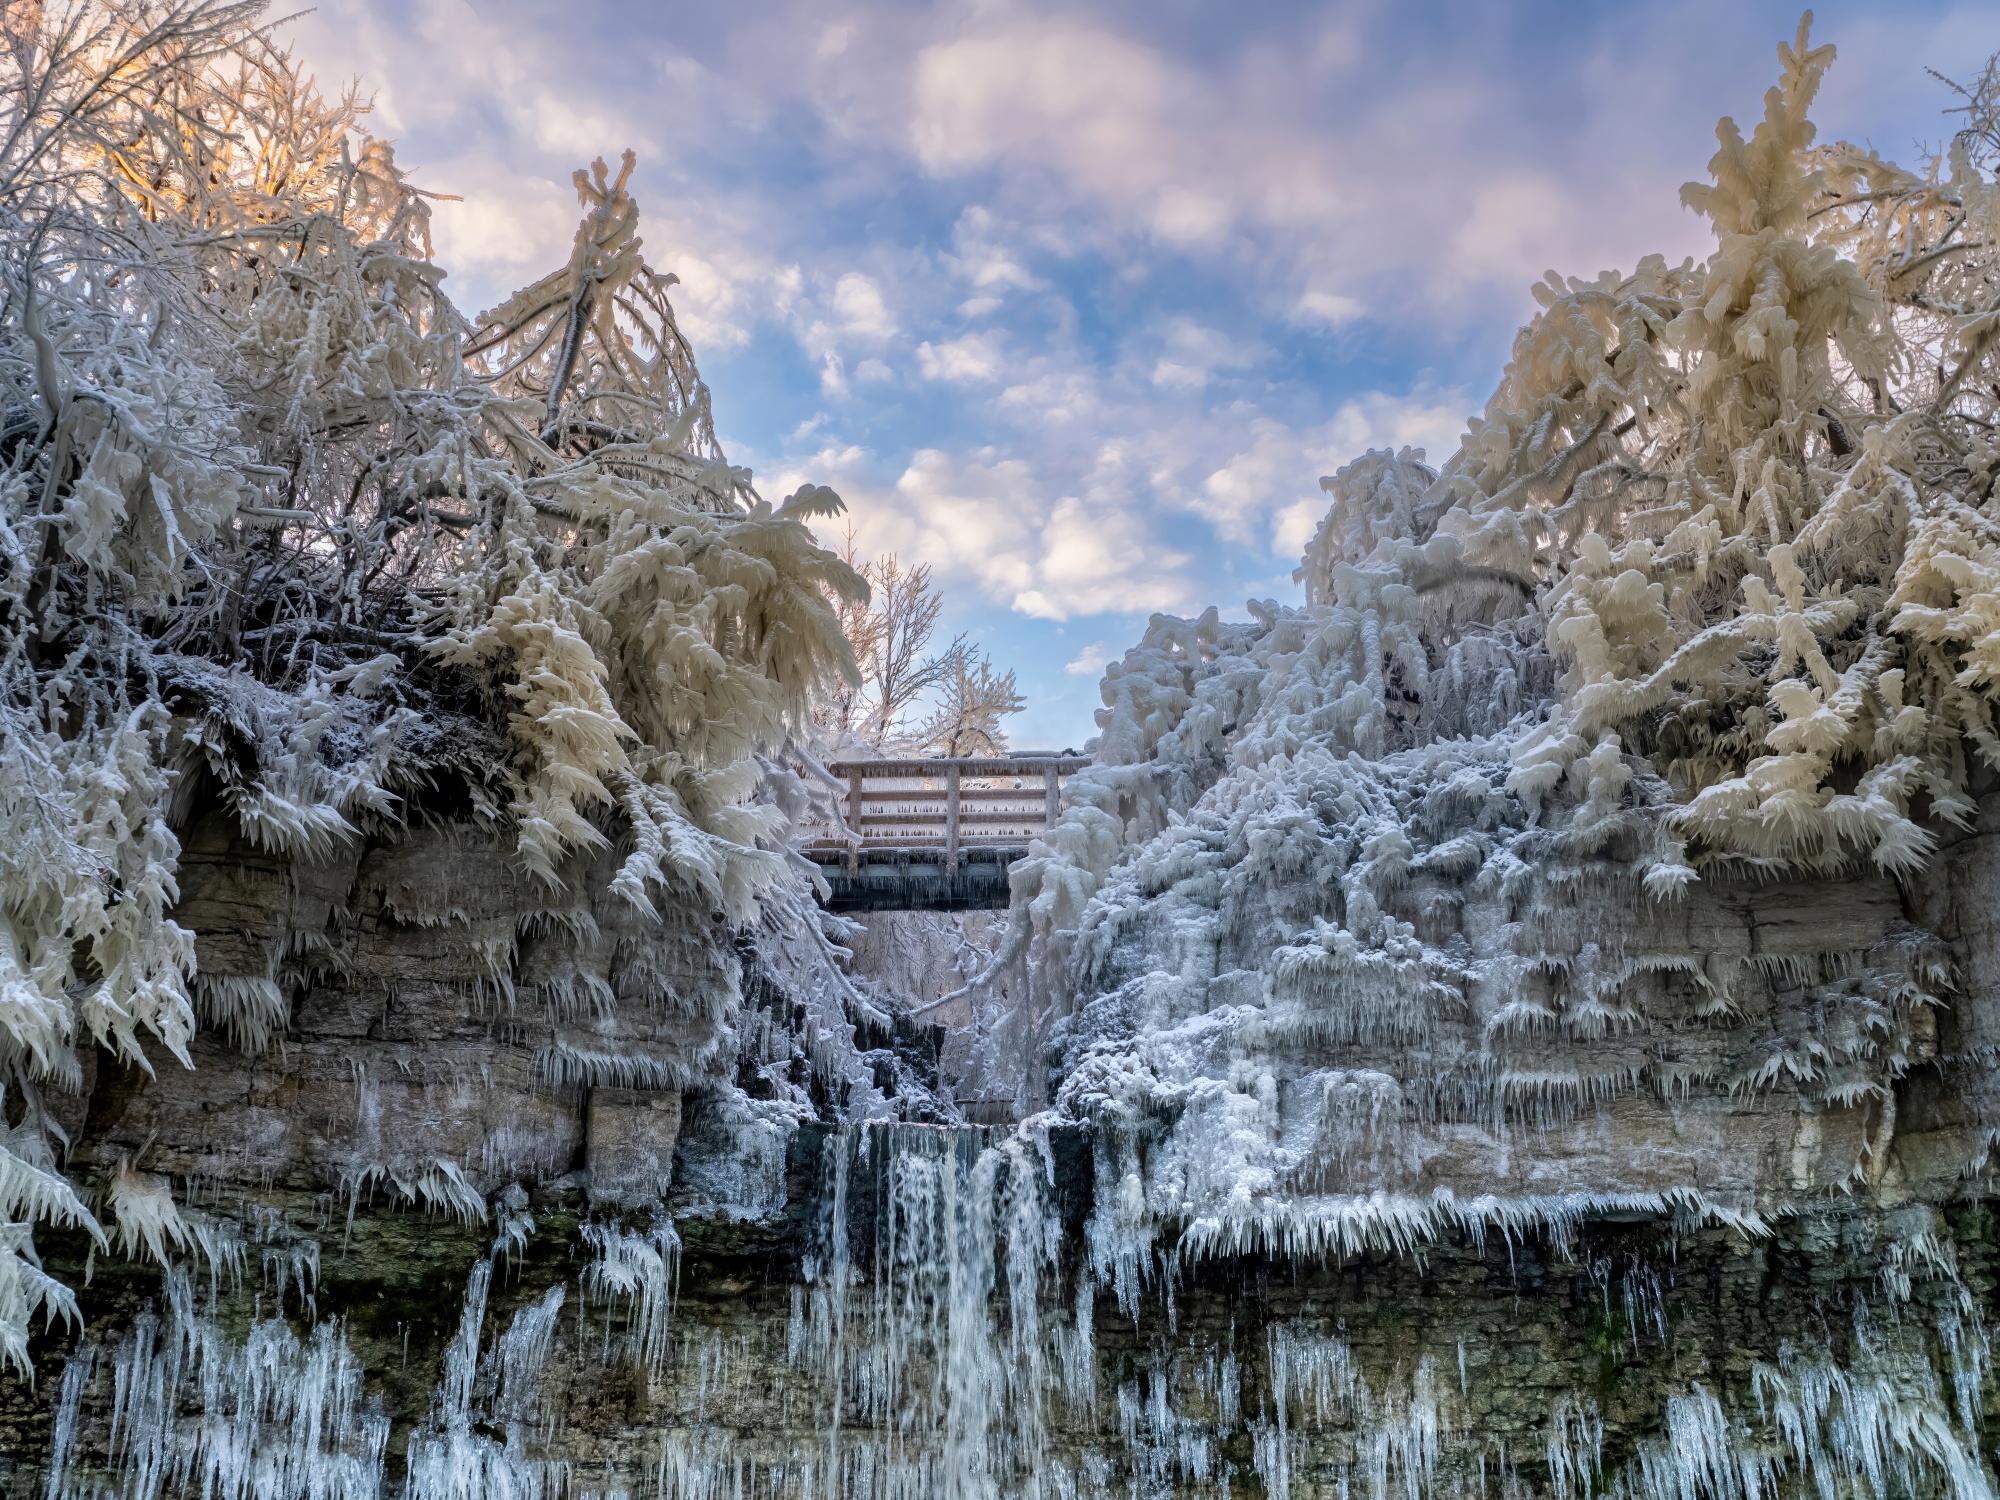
[422, 1255]
[629, 1137]
[430, 1043]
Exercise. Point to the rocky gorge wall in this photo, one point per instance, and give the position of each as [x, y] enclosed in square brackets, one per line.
[414, 1254]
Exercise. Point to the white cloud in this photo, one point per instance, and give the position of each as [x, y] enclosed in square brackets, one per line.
[1236, 496]
[1097, 557]
[989, 522]
[1181, 217]
[974, 359]
[1066, 396]
[1258, 492]
[712, 301]
[500, 238]
[1193, 354]
[984, 261]
[787, 286]
[828, 325]
[1090, 661]
[1085, 510]
[1426, 419]
[1044, 86]
[1294, 526]
[1514, 223]
[1427, 191]
[1322, 158]
[857, 302]
[1328, 308]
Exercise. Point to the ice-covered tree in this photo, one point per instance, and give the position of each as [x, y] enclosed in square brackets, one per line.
[283, 531]
[1703, 599]
[972, 700]
[1746, 494]
[907, 696]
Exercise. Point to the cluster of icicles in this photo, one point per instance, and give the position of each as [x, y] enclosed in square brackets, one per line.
[939, 1345]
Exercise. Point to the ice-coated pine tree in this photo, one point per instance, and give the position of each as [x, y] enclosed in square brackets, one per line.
[1523, 1021]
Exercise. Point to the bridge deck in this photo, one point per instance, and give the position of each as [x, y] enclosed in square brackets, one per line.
[935, 834]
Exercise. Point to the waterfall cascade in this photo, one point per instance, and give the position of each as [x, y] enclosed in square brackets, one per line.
[950, 1327]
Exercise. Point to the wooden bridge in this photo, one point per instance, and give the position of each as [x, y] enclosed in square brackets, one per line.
[936, 834]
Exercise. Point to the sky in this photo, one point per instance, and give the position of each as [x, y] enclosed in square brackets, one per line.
[1076, 303]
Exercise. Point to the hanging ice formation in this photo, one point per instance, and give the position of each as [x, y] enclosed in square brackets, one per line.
[938, 1340]
[1523, 1022]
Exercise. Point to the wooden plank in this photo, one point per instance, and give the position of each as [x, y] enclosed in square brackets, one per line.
[966, 794]
[927, 846]
[933, 848]
[942, 819]
[1026, 765]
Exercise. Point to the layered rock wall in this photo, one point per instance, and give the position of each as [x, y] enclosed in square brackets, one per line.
[431, 1266]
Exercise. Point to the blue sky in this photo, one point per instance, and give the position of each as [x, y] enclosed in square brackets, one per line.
[1076, 303]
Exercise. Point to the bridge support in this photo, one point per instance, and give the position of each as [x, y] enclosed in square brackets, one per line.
[920, 880]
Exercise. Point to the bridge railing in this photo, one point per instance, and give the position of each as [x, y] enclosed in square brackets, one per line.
[943, 804]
